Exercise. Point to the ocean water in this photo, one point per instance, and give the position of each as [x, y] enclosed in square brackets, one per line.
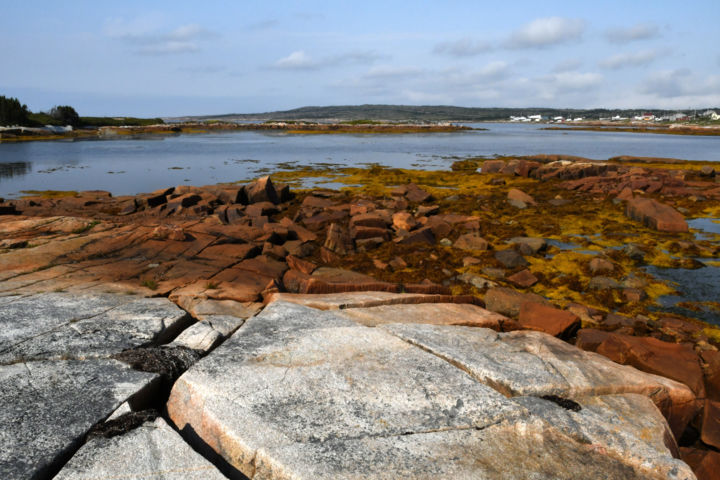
[130, 166]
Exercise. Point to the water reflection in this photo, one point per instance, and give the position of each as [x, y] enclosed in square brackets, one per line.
[15, 169]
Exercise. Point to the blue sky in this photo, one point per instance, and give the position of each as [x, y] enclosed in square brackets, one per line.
[212, 57]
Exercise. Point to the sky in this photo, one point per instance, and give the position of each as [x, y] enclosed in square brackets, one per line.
[140, 58]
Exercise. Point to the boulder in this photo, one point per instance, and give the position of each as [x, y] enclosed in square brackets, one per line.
[710, 428]
[654, 214]
[523, 279]
[492, 166]
[529, 245]
[404, 221]
[600, 265]
[153, 450]
[705, 463]
[262, 190]
[421, 235]
[551, 320]
[338, 240]
[477, 281]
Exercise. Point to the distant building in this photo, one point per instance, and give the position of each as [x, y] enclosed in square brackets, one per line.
[558, 119]
[535, 118]
[618, 118]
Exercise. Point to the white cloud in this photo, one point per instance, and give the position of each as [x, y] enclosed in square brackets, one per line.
[636, 59]
[300, 60]
[640, 31]
[680, 83]
[496, 70]
[544, 32]
[147, 36]
[465, 47]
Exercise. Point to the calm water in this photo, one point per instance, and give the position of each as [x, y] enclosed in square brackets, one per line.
[132, 166]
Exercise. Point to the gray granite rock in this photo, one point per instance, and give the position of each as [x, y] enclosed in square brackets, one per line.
[200, 336]
[48, 407]
[71, 326]
[151, 451]
[301, 393]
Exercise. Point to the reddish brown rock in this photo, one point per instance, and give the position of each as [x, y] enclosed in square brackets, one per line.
[656, 215]
[589, 339]
[374, 220]
[523, 279]
[600, 265]
[261, 208]
[421, 235]
[672, 360]
[704, 463]
[360, 233]
[317, 221]
[551, 320]
[262, 190]
[416, 194]
[303, 266]
[404, 221]
[168, 232]
[328, 256]
[507, 301]
[519, 199]
[338, 240]
[492, 166]
[467, 261]
[471, 241]
[710, 428]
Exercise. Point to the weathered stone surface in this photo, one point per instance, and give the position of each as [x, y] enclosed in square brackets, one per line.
[551, 320]
[309, 376]
[600, 265]
[705, 463]
[534, 363]
[710, 428]
[529, 245]
[48, 407]
[656, 215]
[518, 198]
[477, 281]
[510, 258]
[322, 397]
[151, 451]
[262, 190]
[64, 326]
[433, 313]
[523, 279]
[200, 336]
[337, 301]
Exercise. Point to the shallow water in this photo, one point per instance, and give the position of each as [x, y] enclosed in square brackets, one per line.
[130, 166]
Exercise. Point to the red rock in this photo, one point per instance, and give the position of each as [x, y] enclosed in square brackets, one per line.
[373, 219]
[416, 194]
[299, 249]
[397, 263]
[427, 210]
[230, 250]
[672, 360]
[184, 201]
[523, 279]
[550, 320]
[656, 215]
[439, 227]
[589, 339]
[704, 463]
[600, 265]
[303, 266]
[317, 202]
[711, 359]
[360, 233]
[471, 241]
[236, 215]
[404, 221]
[338, 240]
[519, 196]
[467, 261]
[168, 232]
[507, 301]
[264, 266]
[633, 295]
[262, 190]
[492, 166]
[258, 209]
[328, 256]
[710, 428]
[296, 281]
[359, 209]
[277, 252]
[421, 235]
[427, 288]
[380, 265]
[318, 220]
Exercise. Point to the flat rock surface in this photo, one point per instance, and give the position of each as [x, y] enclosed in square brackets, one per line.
[433, 313]
[49, 406]
[303, 393]
[65, 326]
[151, 451]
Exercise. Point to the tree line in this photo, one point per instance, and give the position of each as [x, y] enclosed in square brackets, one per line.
[15, 113]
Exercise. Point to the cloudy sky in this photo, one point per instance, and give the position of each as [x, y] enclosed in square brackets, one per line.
[185, 58]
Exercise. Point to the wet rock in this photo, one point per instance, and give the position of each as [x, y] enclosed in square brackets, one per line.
[603, 283]
[507, 301]
[153, 450]
[656, 215]
[262, 190]
[470, 241]
[600, 265]
[523, 279]
[543, 318]
[48, 407]
[477, 281]
[510, 258]
[529, 245]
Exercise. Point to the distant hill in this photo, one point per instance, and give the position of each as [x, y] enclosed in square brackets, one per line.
[430, 113]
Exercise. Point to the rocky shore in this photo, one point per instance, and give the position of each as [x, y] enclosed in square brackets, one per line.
[494, 323]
